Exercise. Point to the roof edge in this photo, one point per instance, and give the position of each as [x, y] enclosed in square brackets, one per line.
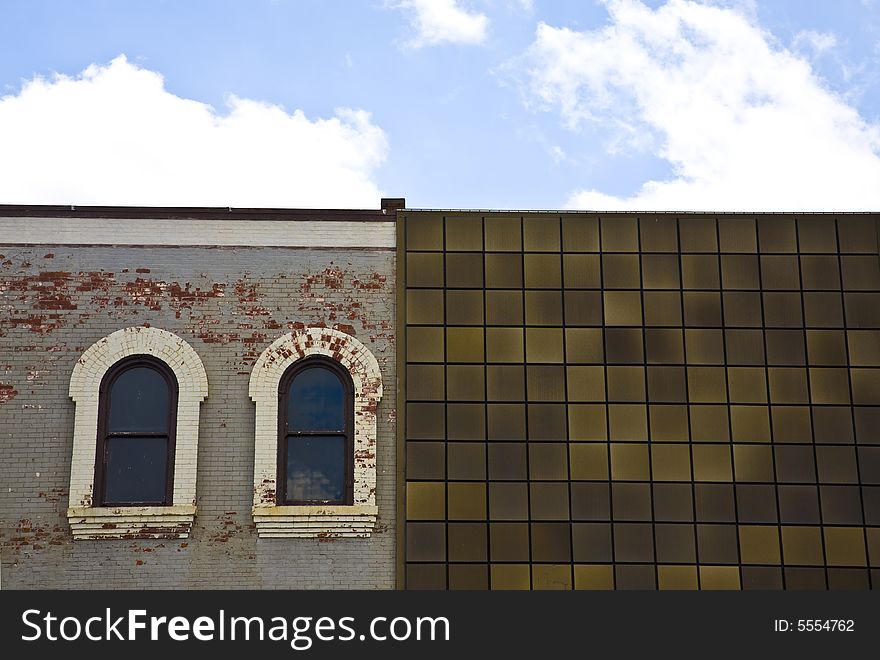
[204, 212]
[632, 212]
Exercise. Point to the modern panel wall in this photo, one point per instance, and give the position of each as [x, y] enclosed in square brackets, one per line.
[639, 402]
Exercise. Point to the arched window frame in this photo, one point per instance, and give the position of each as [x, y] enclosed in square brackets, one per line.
[277, 520]
[89, 520]
[287, 379]
[104, 403]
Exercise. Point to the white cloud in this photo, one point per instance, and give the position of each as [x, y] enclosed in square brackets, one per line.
[818, 42]
[558, 154]
[437, 22]
[743, 123]
[115, 135]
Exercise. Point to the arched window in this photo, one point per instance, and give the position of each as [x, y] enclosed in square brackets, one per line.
[137, 410]
[315, 426]
[134, 460]
[303, 384]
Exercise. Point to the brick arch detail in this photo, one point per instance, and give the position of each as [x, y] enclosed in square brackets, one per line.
[88, 521]
[352, 520]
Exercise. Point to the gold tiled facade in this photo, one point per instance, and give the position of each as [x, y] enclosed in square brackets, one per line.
[654, 401]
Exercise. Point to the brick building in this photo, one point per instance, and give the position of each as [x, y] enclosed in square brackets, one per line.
[533, 399]
[222, 286]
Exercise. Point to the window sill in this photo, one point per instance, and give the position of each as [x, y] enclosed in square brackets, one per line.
[316, 521]
[131, 522]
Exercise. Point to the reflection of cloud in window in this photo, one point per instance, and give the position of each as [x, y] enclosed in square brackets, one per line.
[315, 468]
[306, 484]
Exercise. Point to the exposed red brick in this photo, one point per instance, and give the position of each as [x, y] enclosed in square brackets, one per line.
[7, 393]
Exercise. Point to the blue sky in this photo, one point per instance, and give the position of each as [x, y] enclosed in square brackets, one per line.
[732, 105]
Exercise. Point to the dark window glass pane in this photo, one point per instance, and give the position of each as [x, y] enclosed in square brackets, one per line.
[424, 306]
[551, 542]
[139, 402]
[858, 234]
[464, 383]
[465, 421]
[737, 235]
[783, 310]
[425, 233]
[798, 504]
[660, 271]
[464, 270]
[714, 502]
[503, 271]
[702, 308]
[543, 271]
[424, 269]
[785, 347]
[820, 272]
[658, 234]
[841, 505]
[620, 271]
[699, 271]
[673, 502]
[631, 501]
[506, 308]
[425, 460]
[508, 501]
[425, 382]
[675, 543]
[543, 308]
[744, 346]
[717, 544]
[590, 501]
[635, 577]
[780, 272]
[426, 576]
[509, 542]
[592, 542]
[777, 234]
[467, 541]
[804, 579]
[315, 468]
[507, 460]
[135, 470]
[316, 401]
[619, 234]
[549, 501]
[583, 308]
[860, 273]
[697, 234]
[426, 541]
[633, 542]
[541, 233]
[823, 310]
[817, 234]
[756, 504]
[580, 234]
[504, 234]
[740, 271]
[661, 308]
[469, 576]
[664, 346]
[464, 234]
[464, 307]
[840, 579]
[581, 271]
[862, 310]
